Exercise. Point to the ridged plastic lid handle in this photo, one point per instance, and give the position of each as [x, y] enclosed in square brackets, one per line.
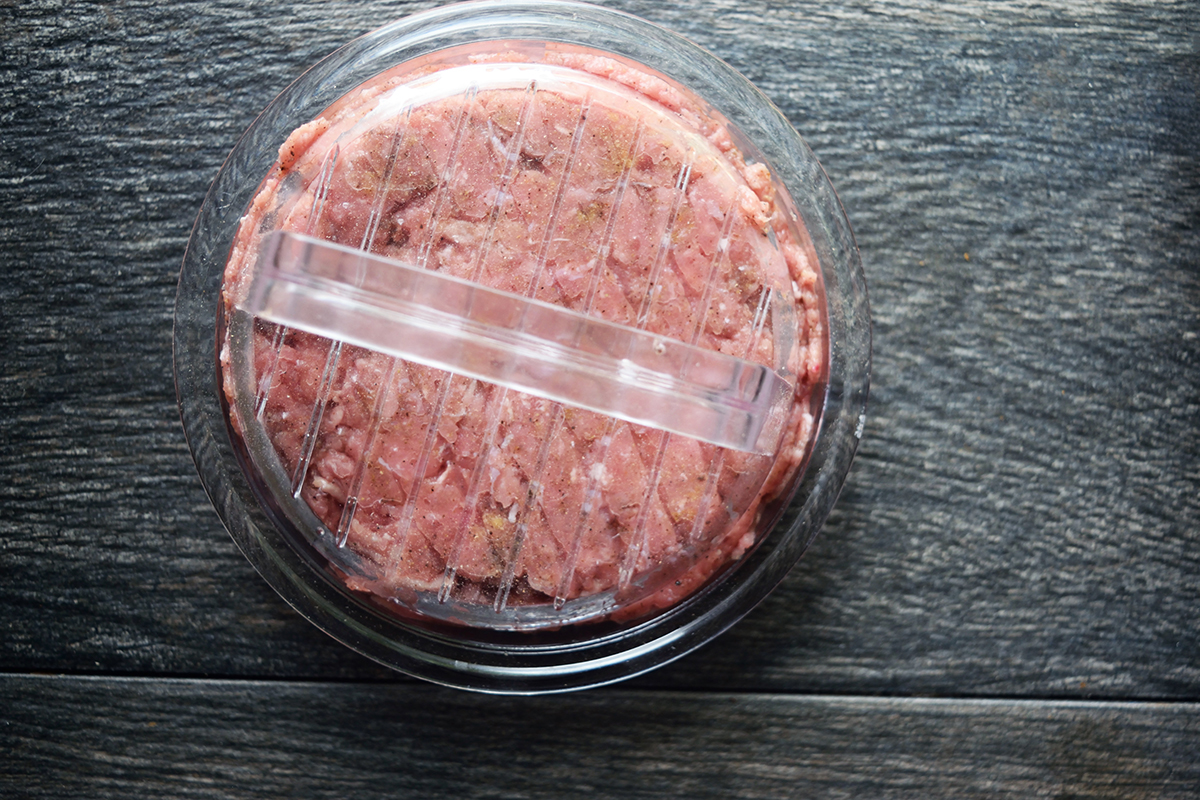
[545, 350]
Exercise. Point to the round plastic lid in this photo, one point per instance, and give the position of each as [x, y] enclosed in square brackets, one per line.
[449, 421]
[415, 401]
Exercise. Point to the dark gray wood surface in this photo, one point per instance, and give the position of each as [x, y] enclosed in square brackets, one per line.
[104, 737]
[1023, 521]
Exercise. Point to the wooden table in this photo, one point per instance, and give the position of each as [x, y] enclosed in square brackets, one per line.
[1004, 602]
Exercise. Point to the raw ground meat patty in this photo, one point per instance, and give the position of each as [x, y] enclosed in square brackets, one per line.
[577, 180]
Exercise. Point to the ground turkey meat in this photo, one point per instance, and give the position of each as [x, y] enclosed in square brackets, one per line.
[570, 178]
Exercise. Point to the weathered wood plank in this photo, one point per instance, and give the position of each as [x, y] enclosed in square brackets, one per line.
[97, 738]
[1025, 514]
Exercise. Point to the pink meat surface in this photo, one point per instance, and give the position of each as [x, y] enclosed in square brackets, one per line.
[621, 201]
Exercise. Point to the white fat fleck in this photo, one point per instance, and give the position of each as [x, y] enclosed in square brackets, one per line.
[512, 514]
[598, 473]
[329, 487]
[497, 145]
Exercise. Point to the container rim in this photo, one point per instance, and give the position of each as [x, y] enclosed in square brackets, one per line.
[540, 666]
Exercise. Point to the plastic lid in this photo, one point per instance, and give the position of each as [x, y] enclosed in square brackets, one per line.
[514, 337]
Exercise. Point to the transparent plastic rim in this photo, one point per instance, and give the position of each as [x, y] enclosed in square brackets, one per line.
[521, 663]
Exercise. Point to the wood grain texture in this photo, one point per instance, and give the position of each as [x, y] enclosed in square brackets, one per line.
[209, 739]
[1024, 517]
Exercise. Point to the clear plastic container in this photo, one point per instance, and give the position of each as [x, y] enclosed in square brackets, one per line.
[651, 309]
